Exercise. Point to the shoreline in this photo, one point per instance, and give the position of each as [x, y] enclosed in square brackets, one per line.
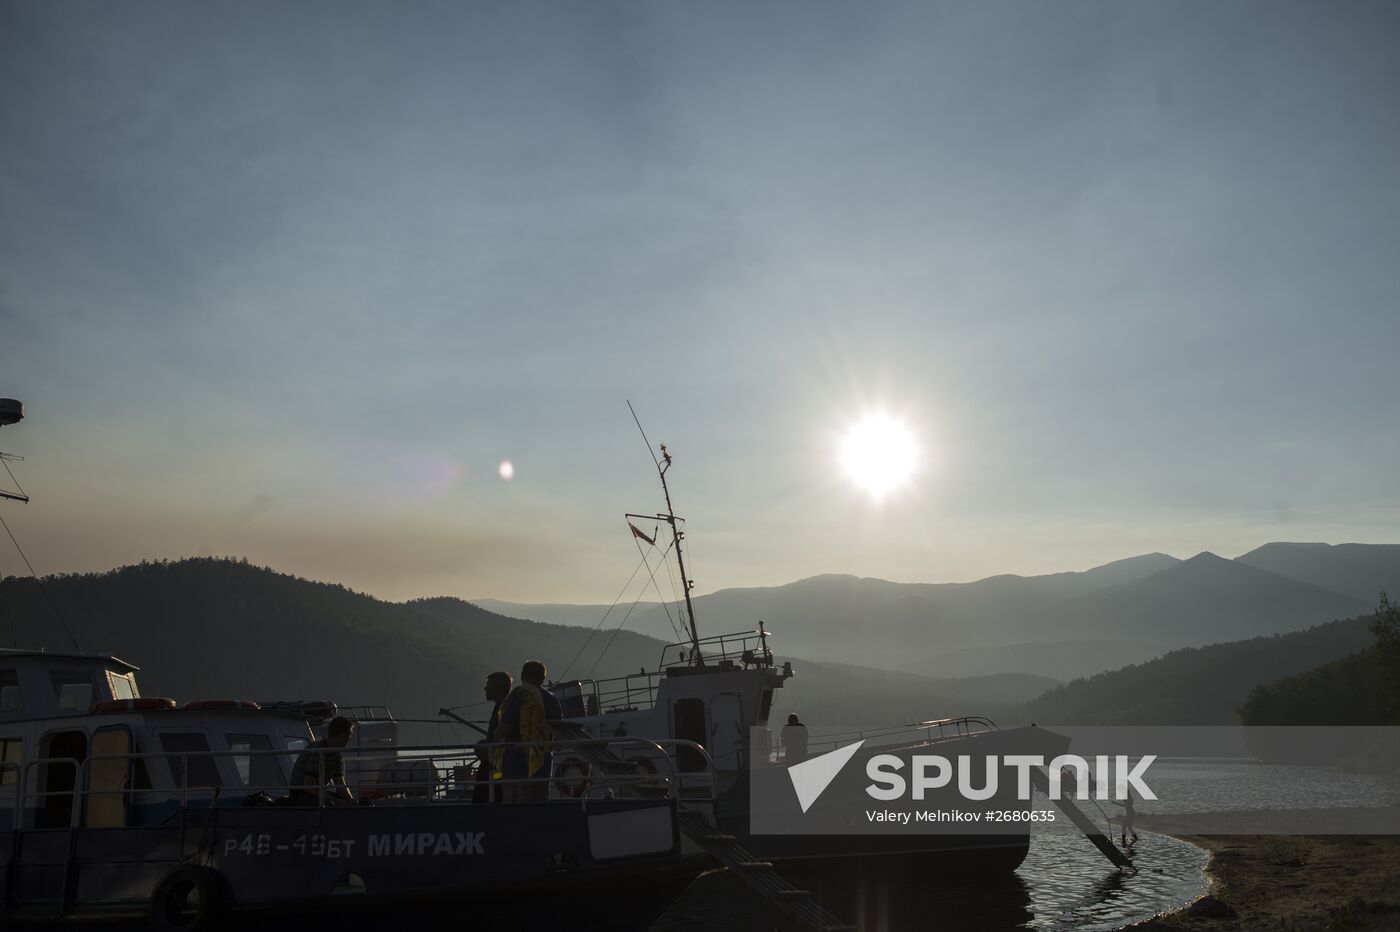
[1294, 882]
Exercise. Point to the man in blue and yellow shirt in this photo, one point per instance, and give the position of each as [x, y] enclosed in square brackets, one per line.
[525, 718]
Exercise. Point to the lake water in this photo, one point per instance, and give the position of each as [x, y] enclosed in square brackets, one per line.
[1064, 883]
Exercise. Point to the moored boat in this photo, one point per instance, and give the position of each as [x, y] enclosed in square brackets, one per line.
[115, 805]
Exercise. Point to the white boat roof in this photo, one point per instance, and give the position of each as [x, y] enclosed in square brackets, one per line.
[9, 653]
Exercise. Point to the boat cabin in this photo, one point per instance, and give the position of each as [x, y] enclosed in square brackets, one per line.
[71, 720]
[713, 702]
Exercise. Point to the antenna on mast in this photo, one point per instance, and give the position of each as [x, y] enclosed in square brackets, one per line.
[677, 535]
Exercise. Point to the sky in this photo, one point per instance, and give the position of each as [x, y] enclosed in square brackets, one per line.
[289, 281]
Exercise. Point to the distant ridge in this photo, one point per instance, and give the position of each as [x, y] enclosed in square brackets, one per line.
[1358, 570]
[220, 628]
[1203, 600]
[1124, 611]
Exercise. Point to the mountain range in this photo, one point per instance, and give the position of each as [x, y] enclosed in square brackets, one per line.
[212, 628]
[1061, 625]
[222, 628]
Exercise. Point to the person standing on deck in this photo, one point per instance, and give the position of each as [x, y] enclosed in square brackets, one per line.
[794, 740]
[525, 719]
[314, 769]
[497, 688]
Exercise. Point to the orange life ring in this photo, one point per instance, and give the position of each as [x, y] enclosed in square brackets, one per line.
[645, 766]
[131, 705]
[207, 705]
[573, 775]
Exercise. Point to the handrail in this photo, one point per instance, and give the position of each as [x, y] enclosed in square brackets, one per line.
[637, 691]
[960, 725]
[743, 637]
[437, 755]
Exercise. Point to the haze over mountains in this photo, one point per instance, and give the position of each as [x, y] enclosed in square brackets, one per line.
[221, 628]
[1061, 625]
[211, 628]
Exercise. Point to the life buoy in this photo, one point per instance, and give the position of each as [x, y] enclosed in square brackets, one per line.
[645, 766]
[573, 776]
[206, 705]
[187, 899]
[131, 705]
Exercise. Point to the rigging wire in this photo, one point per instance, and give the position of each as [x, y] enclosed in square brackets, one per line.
[644, 436]
[586, 640]
[630, 610]
[42, 588]
[5, 460]
[675, 623]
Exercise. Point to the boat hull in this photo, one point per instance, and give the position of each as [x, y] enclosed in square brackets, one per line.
[526, 863]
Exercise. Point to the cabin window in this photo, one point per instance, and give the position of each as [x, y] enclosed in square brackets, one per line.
[259, 771]
[72, 689]
[195, 750]
[10, 698]
[123, 687]
[9, 760]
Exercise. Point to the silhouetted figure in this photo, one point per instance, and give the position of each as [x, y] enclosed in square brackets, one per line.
[525, 718]
[1126, 825]
[497, 687]
[309, 773]
[794, 740]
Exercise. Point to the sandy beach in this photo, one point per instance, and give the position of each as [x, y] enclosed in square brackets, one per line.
[1293, 882]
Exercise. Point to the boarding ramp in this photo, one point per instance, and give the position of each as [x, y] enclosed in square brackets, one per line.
[759, 876]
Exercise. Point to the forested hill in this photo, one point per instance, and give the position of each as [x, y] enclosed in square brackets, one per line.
[213, 628]
[1196, 686]
[218, 628]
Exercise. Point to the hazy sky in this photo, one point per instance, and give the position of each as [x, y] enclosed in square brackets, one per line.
[289, 280]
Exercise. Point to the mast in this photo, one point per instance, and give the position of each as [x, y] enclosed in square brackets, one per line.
[677, 535]
[686, 582]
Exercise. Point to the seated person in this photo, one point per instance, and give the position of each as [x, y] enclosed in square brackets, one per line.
[309, 773]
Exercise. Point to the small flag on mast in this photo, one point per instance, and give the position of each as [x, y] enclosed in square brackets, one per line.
[637, 532]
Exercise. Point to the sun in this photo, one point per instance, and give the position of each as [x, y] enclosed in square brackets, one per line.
[879, 454]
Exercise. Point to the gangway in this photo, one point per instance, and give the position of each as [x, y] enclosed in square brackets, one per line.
[799, 904]
[1081, 821]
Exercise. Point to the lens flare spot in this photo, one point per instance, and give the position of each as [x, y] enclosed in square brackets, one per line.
[506, 470]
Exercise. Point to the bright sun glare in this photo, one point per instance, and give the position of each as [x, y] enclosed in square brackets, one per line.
[879, 453]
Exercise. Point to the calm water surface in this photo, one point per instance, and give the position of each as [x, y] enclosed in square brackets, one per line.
[1065, 883]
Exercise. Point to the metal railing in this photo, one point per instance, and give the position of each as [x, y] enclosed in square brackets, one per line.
[927, 732]
[637, 691]
[736, 649]
[425, 775]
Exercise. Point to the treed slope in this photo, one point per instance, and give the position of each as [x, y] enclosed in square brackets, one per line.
[1339, 692]
[213, 628]
[1195, 686]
